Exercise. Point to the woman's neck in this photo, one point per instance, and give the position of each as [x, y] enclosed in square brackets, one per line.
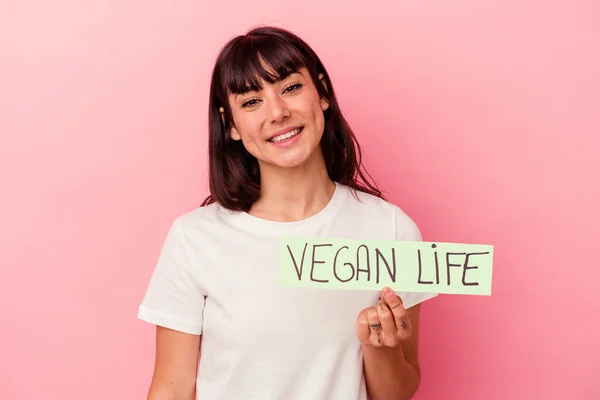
[293, 194]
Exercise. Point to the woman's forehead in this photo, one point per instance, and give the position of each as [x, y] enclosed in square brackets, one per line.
[250, 69]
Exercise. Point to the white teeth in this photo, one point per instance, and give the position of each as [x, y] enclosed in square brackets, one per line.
[285, 136]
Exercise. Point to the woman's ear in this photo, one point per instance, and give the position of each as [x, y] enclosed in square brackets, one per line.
[322, 80]
[235, 135]
[324, 102]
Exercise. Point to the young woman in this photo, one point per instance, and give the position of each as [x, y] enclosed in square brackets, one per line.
[283, 162]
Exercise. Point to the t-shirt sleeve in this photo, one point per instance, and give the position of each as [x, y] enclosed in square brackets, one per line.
[407, 229]
[174, 298]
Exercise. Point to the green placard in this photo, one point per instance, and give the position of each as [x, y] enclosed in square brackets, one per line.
[405, 266]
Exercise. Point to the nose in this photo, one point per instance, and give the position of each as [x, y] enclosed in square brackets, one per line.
[278, 109]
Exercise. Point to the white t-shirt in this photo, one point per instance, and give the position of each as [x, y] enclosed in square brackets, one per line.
[217, 275]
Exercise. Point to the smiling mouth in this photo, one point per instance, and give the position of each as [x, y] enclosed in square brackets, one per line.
[285, 136]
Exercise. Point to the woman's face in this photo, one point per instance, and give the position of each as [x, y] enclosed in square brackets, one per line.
[282, 124]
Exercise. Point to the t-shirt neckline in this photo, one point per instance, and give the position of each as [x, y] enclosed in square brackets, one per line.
[266, 225]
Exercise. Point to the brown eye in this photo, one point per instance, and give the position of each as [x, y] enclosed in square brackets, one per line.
[292, 88]
[249, 103]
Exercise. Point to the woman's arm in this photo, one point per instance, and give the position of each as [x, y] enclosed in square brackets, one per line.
[390, 337]
[393, 373]
[176, 364]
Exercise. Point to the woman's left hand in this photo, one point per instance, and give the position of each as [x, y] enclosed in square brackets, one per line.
[386, 324]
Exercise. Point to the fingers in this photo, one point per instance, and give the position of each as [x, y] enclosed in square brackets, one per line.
[363, 331]
[376, 328]
[390, 336]
[399, 314]
[391, 298]
[386, 324]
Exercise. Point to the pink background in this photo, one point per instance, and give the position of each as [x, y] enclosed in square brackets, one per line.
[480, 118]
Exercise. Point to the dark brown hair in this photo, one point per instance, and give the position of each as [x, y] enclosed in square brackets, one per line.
[234, 177]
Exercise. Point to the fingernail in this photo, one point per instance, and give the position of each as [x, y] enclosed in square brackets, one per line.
[387, 292]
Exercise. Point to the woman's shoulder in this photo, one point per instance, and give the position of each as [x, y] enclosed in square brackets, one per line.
[376, 208]
[371, 202]
[203, 218]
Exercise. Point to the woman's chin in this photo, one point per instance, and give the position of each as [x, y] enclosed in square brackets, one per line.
[295, 161]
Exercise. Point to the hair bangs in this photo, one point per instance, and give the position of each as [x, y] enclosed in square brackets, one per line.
[257, 58]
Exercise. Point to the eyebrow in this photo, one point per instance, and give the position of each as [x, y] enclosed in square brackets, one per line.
[236, 96]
